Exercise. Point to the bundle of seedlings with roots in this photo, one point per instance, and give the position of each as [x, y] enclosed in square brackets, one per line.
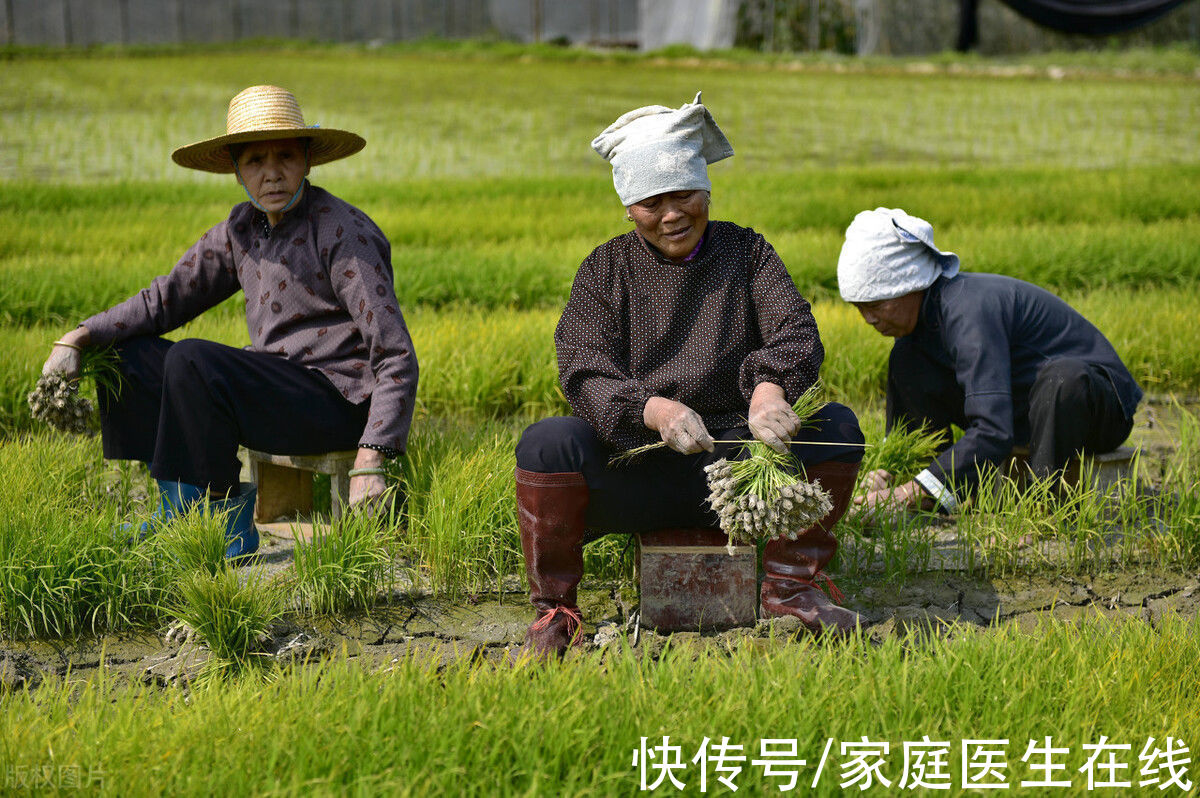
[762, 498]
[55, 399]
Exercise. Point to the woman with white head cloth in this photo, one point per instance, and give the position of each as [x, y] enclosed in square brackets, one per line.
[1006, 361]
[689, 331]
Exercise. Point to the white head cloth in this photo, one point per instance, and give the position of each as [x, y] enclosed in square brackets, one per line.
[888, 254]
[656, 149]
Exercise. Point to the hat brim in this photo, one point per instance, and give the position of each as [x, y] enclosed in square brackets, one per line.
[212, 155]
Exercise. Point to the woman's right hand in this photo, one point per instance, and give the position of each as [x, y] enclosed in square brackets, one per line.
[879, 479]
[67, 360]
[680, 427]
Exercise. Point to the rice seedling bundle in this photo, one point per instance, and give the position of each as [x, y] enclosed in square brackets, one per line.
[759, 498]
[55, 400]
[762, 496]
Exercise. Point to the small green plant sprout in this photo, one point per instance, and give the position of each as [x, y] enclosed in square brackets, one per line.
[231, 612]
[346, 564]
[903, 452]
[55, 399]
[192, 541]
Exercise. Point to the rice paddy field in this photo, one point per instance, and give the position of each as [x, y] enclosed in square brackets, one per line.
[1058, 625]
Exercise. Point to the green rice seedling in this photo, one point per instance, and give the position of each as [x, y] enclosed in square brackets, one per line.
[55, 400]
[763, 496]
[612, 557]
[461, 513]
[434, 109]
[345, 566]
[192, 541]
[64, 570]
[903, 452]
[231, 612]
[343, 728]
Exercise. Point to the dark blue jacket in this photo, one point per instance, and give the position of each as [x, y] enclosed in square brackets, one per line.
[995, 333]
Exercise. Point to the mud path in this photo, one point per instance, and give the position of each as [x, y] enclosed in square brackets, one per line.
[491, 628]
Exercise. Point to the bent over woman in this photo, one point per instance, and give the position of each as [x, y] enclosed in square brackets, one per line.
[330, 363]
[683, 329]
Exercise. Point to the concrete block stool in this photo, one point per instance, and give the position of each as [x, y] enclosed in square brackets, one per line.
[285, 482]
[689, 582]
[1105, 469]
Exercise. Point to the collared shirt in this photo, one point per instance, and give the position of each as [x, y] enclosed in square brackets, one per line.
[703, 332]
[318, 291]
[995, 333]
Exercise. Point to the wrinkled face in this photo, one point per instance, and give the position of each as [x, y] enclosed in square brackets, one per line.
[272, 171]
[894, 318]
[672, 222]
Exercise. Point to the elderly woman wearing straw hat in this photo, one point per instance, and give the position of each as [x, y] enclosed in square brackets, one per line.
[685, 330]
[1006, 361]
[330, 364]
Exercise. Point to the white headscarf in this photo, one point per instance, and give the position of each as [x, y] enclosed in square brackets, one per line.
[888, 254]
[656, 149]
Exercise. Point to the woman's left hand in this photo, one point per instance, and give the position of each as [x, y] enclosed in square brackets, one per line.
[772, 419]
[367, 487]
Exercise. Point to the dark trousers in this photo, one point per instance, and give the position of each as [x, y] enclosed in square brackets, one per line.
[664, 488]
[1072, 407]
[185, 407]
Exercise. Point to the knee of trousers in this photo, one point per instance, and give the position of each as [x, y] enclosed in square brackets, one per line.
[559, 444]
[1063, 378]
[837, 423]
[189, 358]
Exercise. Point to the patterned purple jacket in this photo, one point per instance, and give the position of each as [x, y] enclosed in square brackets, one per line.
[318, 291]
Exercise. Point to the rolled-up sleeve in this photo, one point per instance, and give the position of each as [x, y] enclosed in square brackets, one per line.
[791, 352]
[361, 275]
[593, 363]
[204, 277]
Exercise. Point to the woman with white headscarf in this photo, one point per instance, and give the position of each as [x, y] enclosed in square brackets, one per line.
[1006, 361]
[689, 331]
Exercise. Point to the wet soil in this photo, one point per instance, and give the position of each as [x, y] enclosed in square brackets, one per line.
[491, 627]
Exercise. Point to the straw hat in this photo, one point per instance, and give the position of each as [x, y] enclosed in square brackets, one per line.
[260, 113]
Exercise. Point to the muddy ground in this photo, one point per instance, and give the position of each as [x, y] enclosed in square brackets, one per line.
[491, 627]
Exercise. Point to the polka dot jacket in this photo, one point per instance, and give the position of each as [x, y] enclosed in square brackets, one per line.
[703, 333]
[318, 291]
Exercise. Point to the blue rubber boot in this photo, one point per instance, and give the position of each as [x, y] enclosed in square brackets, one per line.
[176, 498]
[239, 523]
[173, 498]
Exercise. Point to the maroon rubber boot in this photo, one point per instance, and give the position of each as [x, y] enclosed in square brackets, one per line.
[792, 568]
[550, 516]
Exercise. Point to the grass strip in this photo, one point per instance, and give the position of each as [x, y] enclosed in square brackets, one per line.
[571, 728]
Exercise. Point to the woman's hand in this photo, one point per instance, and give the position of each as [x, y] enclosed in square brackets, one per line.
[877, 480]
[64, 358]
[888, 500]
[367, 487]
[680, 427]
[772, 419]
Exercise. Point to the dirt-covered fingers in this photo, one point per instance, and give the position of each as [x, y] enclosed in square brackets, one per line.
[366, 487]
[680, 427]
[64, 360]
[775, 426]
[771, 418]
[687, 434]
[877, 480]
